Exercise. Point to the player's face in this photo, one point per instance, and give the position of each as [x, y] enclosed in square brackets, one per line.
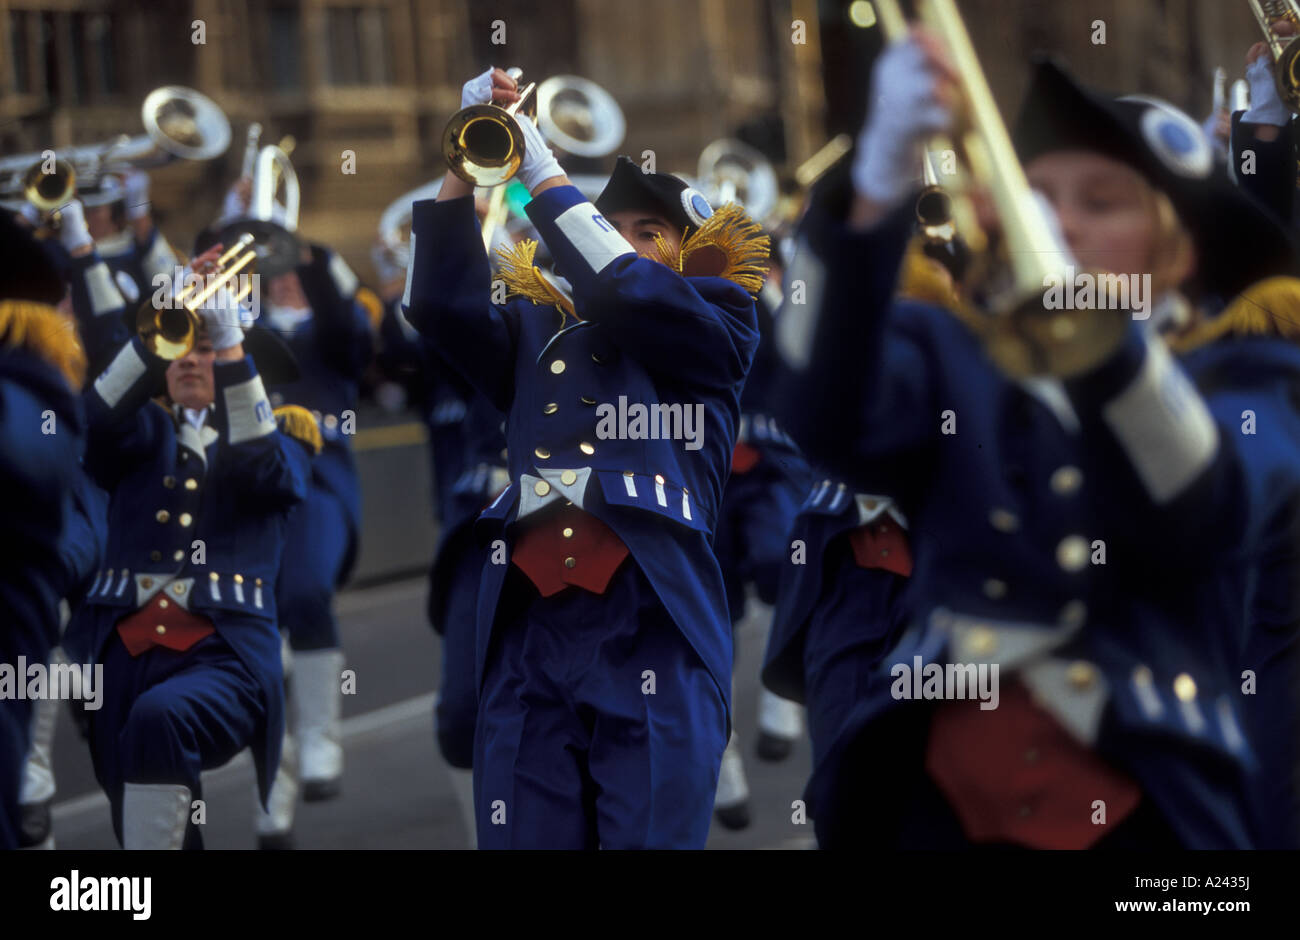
[1106, 209]
[640, 226]
[99, 222]
[189, 378]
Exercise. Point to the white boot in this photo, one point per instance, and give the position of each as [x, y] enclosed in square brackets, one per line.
[38, 778]
[274, 826]
[317, 701]
[154, 815]
[780, 725]
[462, 784]
[731, 804]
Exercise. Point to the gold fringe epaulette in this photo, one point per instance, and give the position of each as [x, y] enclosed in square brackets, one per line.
[47, 334]
[1267, 308]
[373, 306]
[926, 280]
[729, 244]
[524, 279]
[300, 424]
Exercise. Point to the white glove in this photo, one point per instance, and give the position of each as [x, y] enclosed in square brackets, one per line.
[233, 207]
[222, 315]
[1265, 106]
[31, 214]
[903, 113]
[539, 163]
[477, 90]
[72, 227]
[136, 185]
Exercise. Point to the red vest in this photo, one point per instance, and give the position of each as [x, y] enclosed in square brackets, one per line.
[568, 546]
[162, 622]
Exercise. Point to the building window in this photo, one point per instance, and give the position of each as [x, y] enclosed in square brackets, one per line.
[358, 47]
[20, 25]
[286, 39]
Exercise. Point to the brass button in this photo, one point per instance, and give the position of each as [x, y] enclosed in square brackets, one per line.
[628, 473]
[146, 583]
[541, 488]
[1066, 480]
[191, 484]
[995, 588]
[586, 448]
[568, 478]
[884, 553]
[871, 504]
[597, 357]
[155, 555]
[331, 422]
[570, 562]
[982, 641]
[1025, 812]
[542, 453]
[239, 579]
[557, 366]
[588, 401]
[1185, 687]
[1081, 675]
[186, 519]
[163, 515]
[214, 576]
[178, 555]
[567, 533]
[179, 588]
[169, 482]
[258, 582]
[163, 603]
[551, 409]
[160, 629]
[1031, 756]
[1003, 520]
[659, 478]
[1072, 553]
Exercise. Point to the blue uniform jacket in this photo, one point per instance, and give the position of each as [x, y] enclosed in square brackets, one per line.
[1016, 492]
[332, 347]
[649, 335]
[198, 515]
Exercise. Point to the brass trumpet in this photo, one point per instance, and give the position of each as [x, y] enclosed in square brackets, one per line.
[170, 333]
[49, 191]
[484, 144]
[1285, 49]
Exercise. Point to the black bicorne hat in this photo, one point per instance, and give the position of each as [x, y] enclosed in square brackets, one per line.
[26, 269]
[1238, 241]
[630, 187]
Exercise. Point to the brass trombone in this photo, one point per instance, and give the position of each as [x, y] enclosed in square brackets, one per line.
[170, 333]
[1285, 49]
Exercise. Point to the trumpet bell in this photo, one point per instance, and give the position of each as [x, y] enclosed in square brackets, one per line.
[49, 191]
[483, 144]
[169, 333]
[578, 116]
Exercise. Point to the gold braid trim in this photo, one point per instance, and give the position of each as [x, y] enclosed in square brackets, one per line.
[46, 333]
[1270, 307]
[924, 279]
[300, 424]
[729, 244]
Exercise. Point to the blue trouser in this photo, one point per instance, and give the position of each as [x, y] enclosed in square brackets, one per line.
[15, 733]
[456, 711]
[167, 716]
[316, 547]
[570, 752]
[855, 622]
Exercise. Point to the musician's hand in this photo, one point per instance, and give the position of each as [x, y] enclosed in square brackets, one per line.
[539, 163]
[1265, 105]
[206, 263]
[914, 89]
[73, 232]
[136, 187]
[493, 86]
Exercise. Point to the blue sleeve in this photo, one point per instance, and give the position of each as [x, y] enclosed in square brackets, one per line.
[99, 307]
[122, 429]
[268, 465]
[343, 329]
[701, 331]
[1273, 180]
[448, 298]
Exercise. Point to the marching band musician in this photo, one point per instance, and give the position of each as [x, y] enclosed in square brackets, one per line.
[603, 680]
[1264, 144]
[41, 436]
[467, 454]
[183, 617]
[1119, 721]
[315, 309]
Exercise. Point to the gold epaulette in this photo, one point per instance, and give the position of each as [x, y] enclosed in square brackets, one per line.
[523, 278]
[300, 424]
[926, 280]
[729, 244]
[373, 306]
[1270, 307]
[47, 334]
